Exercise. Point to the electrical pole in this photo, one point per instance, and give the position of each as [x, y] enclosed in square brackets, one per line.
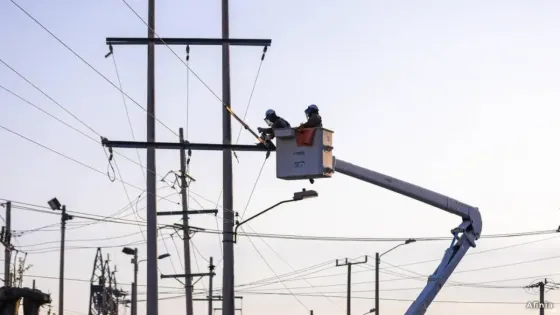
[134, 298]
[210, 293]
[349, 285]
[8, 244]
[63, 218]
[151, 206]
[226, 147]
[228, 302]
[186, 237]
[541, 293]
[377, 262]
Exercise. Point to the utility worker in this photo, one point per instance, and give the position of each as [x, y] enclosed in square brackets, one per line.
[314, 120]
[274, 122]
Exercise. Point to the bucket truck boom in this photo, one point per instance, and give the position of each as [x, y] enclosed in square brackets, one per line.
[315, 160]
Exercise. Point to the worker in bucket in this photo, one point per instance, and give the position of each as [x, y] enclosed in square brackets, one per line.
[313, 118]
[274, 122]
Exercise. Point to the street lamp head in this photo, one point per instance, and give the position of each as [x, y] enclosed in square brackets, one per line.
[128, 251]
[54, 204]
[410, 240]
[162, 256]
[305, 194]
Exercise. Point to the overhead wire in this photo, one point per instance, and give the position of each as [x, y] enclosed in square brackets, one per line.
[394, 299]
[378, 239]
[274, 272]
[67, 157]
[59, 120]
[81, 240]
[382, 270]
[198, 267]
[368, 298]
[87, 63]
[292, 268]
[128, 115]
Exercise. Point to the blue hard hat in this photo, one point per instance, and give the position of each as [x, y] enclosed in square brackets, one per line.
[269, 112]
[311, 107]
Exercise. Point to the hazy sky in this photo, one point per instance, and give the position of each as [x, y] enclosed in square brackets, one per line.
[459, 97]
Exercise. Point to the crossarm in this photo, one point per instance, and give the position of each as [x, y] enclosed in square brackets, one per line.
[468, 213]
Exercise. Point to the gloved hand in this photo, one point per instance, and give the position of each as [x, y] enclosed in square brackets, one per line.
[260, 129]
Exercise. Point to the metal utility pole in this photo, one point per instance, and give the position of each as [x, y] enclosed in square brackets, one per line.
[186, 238]
[349, 288]
[134, 298]
[63, 218]
[151, 206]
[8, 244]
[377, 263]
[541, 294]
[210, 293]
[228, 302]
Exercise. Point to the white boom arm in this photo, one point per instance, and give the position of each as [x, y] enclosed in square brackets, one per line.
[464, 235]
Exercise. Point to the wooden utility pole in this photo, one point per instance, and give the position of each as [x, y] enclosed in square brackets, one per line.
[349, 284]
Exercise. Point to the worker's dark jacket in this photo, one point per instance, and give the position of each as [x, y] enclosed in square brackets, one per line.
[278, 124]
[314, 121]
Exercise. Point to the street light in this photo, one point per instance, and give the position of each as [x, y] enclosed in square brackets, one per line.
[134, 252]
[54, 204]
[377, 262]
[300, 195]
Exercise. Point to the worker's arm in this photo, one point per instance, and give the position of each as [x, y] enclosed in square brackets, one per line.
[265, 130]
[313, 122]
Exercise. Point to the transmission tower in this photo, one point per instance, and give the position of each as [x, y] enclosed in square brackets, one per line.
[104, 295]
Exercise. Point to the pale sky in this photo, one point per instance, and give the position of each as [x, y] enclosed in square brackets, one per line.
[459, 97]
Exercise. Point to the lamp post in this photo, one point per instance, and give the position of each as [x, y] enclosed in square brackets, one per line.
[377, 262]
[134, 253]
[300, 195]
[54, 204]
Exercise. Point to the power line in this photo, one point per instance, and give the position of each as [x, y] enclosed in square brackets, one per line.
[69, 158]
[370, 298]
[274, 272]
[292, 268]
[88, 281]
[406, 277]
[61, 121]
[46, 95]
[128, 115]
[82, 240]
[254, 187]
[87, 63]
[376, 239]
